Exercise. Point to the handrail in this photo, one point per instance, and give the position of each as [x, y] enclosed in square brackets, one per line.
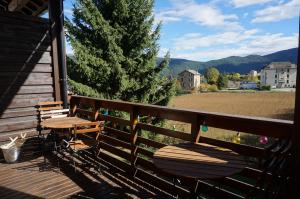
[255, 125]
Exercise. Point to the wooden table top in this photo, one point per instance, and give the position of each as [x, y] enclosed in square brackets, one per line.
[62, 123]
[200, 161]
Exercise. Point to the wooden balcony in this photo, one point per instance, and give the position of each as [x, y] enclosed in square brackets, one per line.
[31, 177]
[124, 157]
[124, 147]
[32, 61]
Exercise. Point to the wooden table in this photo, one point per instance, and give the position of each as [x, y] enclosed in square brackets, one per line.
[198, 161]
[62, 123]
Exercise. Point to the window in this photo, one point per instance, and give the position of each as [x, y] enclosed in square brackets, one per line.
[288, 70]
[275, 81]
[287, 75]
[287, 81]
[275, 75]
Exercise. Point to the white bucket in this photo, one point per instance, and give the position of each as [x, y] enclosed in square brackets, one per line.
[11, 151]
[11, 154]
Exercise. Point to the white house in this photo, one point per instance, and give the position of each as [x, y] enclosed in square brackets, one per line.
[253, 73]
[189, 79]
[279, 75]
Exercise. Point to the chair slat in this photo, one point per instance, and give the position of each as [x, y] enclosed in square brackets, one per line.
[59, 116]
[50, 108]
[50, 103]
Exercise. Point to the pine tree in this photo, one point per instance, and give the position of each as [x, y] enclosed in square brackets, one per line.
[115, 51]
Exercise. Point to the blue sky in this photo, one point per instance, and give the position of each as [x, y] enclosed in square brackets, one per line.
[204, 30]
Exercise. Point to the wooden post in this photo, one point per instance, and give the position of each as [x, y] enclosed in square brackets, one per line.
[296, 133]
[96, 108]
[195, 128]
[133, 138]
[73, 106]
[58, 50]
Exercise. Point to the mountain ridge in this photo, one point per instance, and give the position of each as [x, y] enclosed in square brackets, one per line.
[233, 63]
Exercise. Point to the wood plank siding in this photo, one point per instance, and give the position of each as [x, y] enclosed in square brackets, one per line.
[26, 71]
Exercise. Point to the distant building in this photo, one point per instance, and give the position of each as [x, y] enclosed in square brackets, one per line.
[233, 84]
[248, 85]
[253, 73]
[279, 75]
[189, 79]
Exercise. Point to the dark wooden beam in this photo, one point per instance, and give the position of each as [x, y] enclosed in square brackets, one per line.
[59, 53]
[16, 5]
[296, 133]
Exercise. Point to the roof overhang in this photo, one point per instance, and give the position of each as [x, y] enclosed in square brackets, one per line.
[27, 7]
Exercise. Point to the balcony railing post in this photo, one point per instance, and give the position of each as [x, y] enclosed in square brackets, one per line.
[96, 107]
[73, 106]
[133, 138]
[195, 128]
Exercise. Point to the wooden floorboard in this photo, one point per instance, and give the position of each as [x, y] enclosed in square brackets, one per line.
[28, 178]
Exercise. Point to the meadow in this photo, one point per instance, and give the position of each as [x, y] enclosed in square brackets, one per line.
[277, 105]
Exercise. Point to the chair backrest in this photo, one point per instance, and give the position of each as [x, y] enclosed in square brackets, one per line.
[88, 127]
[51, 110]
[278, 164]
[87, 133]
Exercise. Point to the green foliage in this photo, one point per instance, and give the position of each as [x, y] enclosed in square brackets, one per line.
[251, 78]
[115, 50]
[234, 76]
[212, 88]
[212, 75]
[204, 87]
[265, 88]
[222, 81]
[180, 90]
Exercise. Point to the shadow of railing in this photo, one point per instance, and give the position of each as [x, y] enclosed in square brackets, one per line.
[98, 178]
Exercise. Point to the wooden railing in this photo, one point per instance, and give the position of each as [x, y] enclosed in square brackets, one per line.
[126, 149]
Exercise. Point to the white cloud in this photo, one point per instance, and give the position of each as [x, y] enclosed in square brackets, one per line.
[193, 41]
[279, 12]
[244, 3]
[163, 51]
[202, 14]
[246, 43]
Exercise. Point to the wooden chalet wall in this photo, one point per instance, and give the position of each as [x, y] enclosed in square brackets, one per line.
[26, 72]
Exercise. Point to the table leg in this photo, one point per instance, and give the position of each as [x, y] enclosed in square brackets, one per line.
[193, 188]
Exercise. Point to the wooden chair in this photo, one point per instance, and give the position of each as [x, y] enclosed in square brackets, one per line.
[279, 165]
[51, 110]
[85, 136]
[46, 110]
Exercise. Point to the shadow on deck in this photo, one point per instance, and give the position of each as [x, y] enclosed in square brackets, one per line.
[28, 178]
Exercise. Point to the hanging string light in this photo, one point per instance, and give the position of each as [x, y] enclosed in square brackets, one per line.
[237, 138]
[174, 127]
[106, 112]
[204, 127]
[263, 140]
[136, 120]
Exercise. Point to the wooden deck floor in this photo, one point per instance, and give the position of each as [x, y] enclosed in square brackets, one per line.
[28, 179]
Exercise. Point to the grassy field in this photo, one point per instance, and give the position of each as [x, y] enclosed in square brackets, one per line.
[278, 105]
